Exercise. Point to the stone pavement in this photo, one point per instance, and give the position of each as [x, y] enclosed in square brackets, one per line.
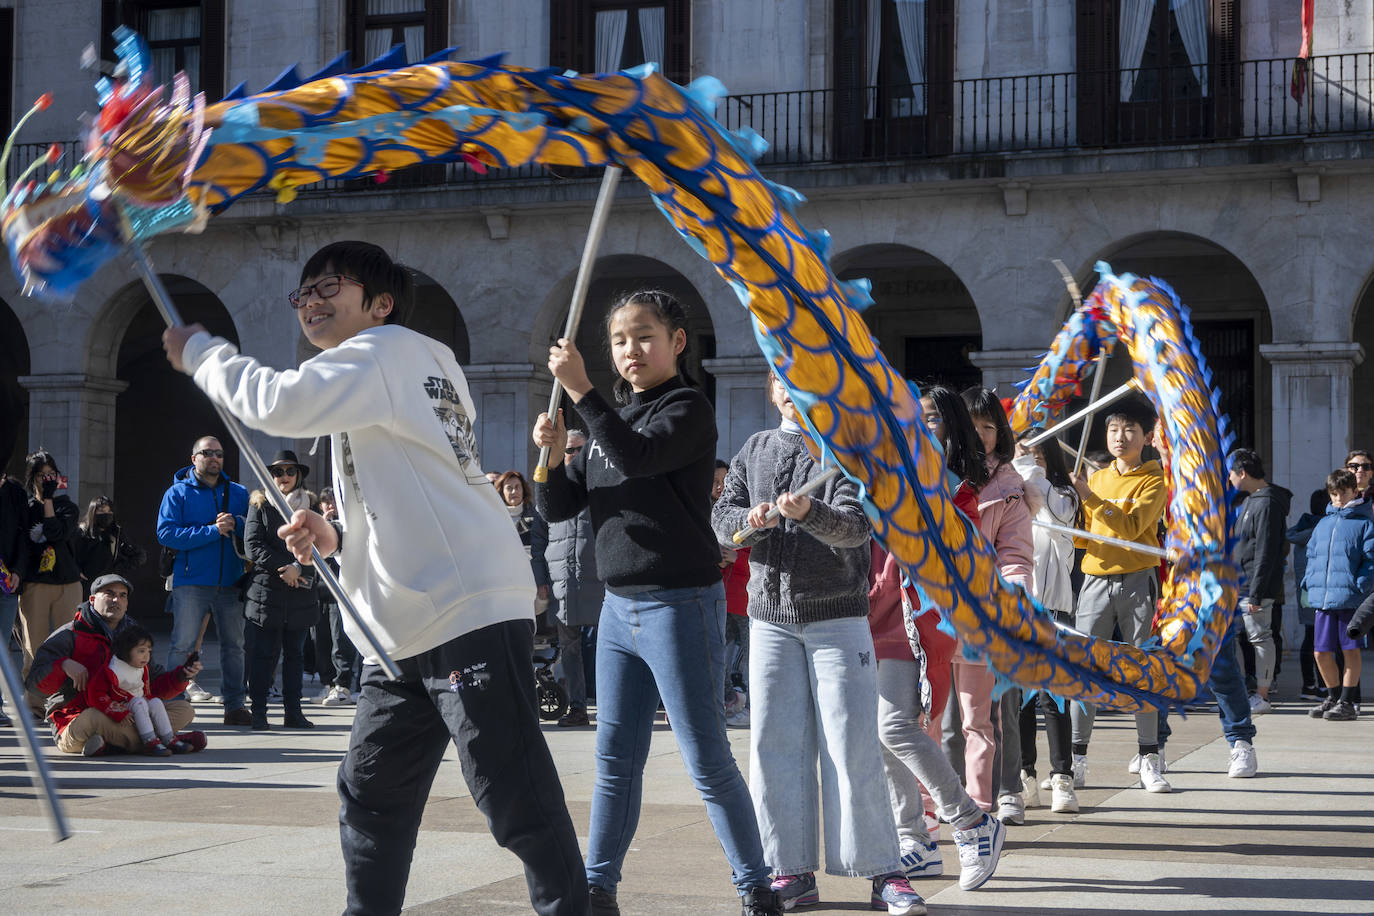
[249, 826]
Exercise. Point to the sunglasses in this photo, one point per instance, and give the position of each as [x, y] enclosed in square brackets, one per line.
[1359, 466]
[211, 453]
[325, 287]
[284, 471]
[572, 450]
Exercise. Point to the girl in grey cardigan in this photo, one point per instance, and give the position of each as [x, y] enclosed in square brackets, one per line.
[812, 671]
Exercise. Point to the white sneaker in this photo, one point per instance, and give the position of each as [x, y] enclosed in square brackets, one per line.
[338, 696]
[1011, 809]
[1244, 764]
[1152, 776]
[324, 695]
[1259, 705]
[922, 860]
[1134, 766]
[1030, 790]
[198, 694]
[739, 719]
[1064, 799]
[1080, 770]
[979, 849]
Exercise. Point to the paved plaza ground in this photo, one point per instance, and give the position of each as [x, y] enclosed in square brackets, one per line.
[250, 826]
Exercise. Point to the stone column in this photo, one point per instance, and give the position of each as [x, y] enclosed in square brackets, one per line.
[508, 398]
[1312, 412]
[73, 416]
[742, 407]
[1004, 369]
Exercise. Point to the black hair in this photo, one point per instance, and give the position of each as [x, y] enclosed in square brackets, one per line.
[129, 637]
[1134, 408]
[668, 311]
[1358, 453]
[1056, 468]
[1341, 479]
[100, 502]
[1249, 461]
[722, 463]
[983, 404]
[327, 495]
[371, 266]
[35, 463]
[1318, 502]
[963, 449]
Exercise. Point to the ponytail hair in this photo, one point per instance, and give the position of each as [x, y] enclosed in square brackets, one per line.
[963, 449]
[672, 315]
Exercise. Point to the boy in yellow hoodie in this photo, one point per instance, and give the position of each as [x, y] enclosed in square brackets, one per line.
[1124, 500]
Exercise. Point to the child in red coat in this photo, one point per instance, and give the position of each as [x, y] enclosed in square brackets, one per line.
[121, 689]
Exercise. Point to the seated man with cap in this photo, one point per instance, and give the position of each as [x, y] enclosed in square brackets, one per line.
[62, 666]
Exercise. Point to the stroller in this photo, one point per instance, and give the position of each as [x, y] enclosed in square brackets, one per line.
[553, 696]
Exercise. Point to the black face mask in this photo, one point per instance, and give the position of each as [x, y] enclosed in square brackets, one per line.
[104, 522]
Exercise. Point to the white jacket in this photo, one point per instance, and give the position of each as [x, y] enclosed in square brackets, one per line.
[428, 552]
[1053, 550]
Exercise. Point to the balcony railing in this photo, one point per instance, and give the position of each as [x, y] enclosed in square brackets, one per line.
[1244, 101]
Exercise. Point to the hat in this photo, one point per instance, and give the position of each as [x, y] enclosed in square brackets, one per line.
[110, 579]
[288, 457]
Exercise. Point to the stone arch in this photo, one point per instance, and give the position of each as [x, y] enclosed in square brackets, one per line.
[1362, 333]
[14, 399]
[1230, 317]
[160, 412]
[613, 276]
[923, 315]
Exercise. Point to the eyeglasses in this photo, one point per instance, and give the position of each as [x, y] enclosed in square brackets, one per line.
[572, 450]
[326, 287]
[211, 453]
[283, 471]
[1359, 466]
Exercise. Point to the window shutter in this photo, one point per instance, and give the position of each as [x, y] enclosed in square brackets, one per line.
[112, 14]
[1226, 70]
[7, 68]
[677, 64]
[847, 97]
[940, 53]
[436, 26]
[212, 38]
[355, 30]
[1096, 51]
[569, 45]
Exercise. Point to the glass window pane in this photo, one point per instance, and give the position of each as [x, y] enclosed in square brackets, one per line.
[177, 22]
[384, 7]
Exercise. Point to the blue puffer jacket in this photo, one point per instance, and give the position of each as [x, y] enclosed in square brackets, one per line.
[186, 523]
[1340, 558]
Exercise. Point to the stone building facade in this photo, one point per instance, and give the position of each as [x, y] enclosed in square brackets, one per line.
[1026, 138]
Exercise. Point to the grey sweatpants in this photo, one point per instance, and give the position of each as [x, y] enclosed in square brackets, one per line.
[1104, 603]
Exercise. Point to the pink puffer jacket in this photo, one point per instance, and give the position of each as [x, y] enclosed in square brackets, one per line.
[1005, 520]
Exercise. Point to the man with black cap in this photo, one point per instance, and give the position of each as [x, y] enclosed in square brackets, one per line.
[63, 665]
[202, 519]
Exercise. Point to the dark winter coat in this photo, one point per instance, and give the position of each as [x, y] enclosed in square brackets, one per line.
[14, 535]
[1260, 543]
[1340, 558]
[101, 552]
[271, 602]
[53, 559]
[571, 556]
[534, 537]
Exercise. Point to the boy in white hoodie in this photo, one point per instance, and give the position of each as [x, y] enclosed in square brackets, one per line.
[429, 560]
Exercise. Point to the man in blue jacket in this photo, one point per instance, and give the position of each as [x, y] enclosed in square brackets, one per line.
[201, 518]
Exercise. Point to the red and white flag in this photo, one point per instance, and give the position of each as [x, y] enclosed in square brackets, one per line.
[1298, 85]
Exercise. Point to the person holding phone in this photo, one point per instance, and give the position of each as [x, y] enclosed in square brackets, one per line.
[52, 576]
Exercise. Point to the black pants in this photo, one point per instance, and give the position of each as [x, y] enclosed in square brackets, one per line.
[1058, 730]
[344, 659]
[477, 690]
[268, 644]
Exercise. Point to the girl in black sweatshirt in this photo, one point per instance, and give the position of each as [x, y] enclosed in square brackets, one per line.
[646, 474]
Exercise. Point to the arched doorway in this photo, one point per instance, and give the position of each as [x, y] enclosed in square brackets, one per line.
[1362, 388]
[922, 315]
[1230, 319]
[162, 412]
[613, 277]
[14, 400]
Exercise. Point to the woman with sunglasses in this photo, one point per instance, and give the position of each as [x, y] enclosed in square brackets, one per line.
[281, 603]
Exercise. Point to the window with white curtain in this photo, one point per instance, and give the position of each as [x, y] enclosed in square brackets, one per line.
[394, 22]
[629, 35]
[895, 57]
[173, 36]
[1163, 49]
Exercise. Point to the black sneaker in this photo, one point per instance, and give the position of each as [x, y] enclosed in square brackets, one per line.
[760, 901]
[1321, 709]
[1344, 711]
[575, 718]
[603, 902]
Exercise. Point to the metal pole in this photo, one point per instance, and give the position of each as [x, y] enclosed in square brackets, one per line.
[254, 461]
[1103, 538]
[810, 486]
[38, 764]
[600, 213]
[1069, 448]
[1115, 394]
[1098, 373]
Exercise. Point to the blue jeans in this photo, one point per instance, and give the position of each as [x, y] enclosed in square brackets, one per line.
[669, 643]
[1228, 686]
[815, 698]
[189, 605]
[9, 611]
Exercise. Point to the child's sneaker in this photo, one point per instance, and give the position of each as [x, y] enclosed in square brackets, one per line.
[1343, 711]
[1152, 774]
[179, 747]
[922, 860]
[1063, 799]
[1011, 809]
[1080, 770]
[1259, 705]
[979, 849]
[194, 738]
[1030, 789]
[198, 694]
[155, 748]
[1244, 764]
[796, 890]
[1134, 766]
[893, 893]
[1321, 709]
[338, 696]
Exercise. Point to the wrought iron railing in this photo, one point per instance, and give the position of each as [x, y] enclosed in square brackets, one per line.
[1152, 106]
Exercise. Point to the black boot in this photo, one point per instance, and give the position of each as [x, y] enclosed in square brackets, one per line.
[603, 902]
[294, 718]
[260, 723]
[760, 901]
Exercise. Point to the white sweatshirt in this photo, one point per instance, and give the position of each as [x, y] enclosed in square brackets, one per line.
[428, 552]
[1053, 550]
